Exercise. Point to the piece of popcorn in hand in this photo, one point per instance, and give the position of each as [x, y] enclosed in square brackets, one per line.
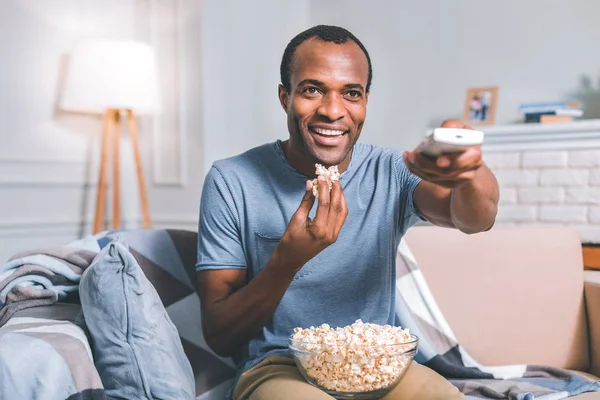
[330, 174]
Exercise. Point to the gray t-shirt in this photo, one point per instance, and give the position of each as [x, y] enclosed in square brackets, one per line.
[247, 203]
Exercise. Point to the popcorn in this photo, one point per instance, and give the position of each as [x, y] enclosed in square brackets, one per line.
[331, 174]
[356, 358]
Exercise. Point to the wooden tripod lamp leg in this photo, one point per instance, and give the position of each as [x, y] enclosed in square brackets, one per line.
[101, 195]
[133, 131]
[116, 221]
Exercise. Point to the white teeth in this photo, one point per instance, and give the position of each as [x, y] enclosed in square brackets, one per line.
[328, 132]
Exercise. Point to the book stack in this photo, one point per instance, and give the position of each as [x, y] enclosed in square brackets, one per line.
[550, 112]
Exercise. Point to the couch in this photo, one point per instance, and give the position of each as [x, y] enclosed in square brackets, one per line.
[515, 295]
[511, 295]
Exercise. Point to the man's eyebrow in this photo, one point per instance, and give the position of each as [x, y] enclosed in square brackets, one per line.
[321, 84]
[311, 82]
[354, 86]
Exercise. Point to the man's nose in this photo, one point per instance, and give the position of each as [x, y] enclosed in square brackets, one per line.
[332, 107]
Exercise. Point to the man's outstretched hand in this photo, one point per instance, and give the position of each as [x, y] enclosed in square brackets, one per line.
[304, 238]
[448, 170]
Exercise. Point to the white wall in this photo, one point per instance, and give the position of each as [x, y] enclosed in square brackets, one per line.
[49, 158]
[427, 53]
[425, 56]
[243, 42]
[220, 63]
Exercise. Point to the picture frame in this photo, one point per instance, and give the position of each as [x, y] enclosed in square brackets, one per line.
[480, 105]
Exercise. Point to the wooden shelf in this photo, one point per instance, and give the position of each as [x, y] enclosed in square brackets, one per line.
[591, 256]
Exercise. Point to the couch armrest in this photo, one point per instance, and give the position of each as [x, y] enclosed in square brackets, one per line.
[592, 305]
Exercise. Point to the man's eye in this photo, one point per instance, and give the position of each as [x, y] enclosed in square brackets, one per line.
[354, 93]
[311, 90]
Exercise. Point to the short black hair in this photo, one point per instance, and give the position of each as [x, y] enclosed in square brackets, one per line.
[326, 33]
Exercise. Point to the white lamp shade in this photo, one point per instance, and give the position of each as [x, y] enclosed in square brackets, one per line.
[112, 74]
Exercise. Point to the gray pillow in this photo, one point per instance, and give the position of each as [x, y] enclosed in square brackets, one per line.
[137, 349]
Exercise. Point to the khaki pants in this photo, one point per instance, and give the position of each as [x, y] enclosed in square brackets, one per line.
[277, 378]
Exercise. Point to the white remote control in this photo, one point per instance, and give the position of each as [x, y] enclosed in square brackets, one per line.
[449, 140]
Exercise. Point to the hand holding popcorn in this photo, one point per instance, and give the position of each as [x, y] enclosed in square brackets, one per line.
[304, 237]
[330, 174]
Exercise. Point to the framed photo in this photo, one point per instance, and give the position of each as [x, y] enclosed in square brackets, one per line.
[480, 105]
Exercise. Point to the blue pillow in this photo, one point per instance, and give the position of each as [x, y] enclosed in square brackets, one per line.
[136, 347]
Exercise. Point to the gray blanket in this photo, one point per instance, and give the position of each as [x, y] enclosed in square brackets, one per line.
[51, 342]
[43, 277]
[39, 331]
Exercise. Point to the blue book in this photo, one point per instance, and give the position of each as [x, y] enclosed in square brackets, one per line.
[551, 104]
[559, 107]
[572, 112]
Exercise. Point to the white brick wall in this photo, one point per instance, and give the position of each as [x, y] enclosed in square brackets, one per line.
[584, 158]
[594, 215]
[517, 213]
[583, 195]
[550, 187]
[563, 213]
[564, 177]
[528, 195]
[545, 159]
[595, 177]
[508, 196]
[502, 160]
[516, 177]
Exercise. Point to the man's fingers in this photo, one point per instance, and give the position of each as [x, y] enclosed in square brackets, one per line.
[306, 204]
[443, 162]
[468, 159]
[450, 169]
[323, 205]
[453, 123]
[446, 165]
[338, 209]
[309, 186]
[451, 181]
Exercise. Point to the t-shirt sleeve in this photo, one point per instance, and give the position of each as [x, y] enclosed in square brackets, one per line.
[219, 232]
[407, 182]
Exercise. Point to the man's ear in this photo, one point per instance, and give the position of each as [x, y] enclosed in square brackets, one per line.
[367, 97]
[284, 97]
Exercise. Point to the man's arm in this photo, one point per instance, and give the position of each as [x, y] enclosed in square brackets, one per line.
[457, 191]
[471, 207]
[234, 311]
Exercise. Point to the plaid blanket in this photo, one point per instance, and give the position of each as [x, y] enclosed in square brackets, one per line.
[43, 277]
[44, 354]
[40, 330]
[439, 349]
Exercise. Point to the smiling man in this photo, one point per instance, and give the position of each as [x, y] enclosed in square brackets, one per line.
[269, 260]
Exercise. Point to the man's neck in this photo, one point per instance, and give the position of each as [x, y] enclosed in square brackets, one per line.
[304, 166]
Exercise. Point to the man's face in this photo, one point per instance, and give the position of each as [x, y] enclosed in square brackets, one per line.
[327, 104]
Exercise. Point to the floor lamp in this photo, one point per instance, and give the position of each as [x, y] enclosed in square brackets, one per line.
[119, 80]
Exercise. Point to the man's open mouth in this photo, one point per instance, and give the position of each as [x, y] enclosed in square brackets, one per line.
[328, 132]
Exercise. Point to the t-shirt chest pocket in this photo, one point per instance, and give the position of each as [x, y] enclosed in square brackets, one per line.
[264, 248]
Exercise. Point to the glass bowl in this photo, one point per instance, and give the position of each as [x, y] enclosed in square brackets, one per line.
[363, 372]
